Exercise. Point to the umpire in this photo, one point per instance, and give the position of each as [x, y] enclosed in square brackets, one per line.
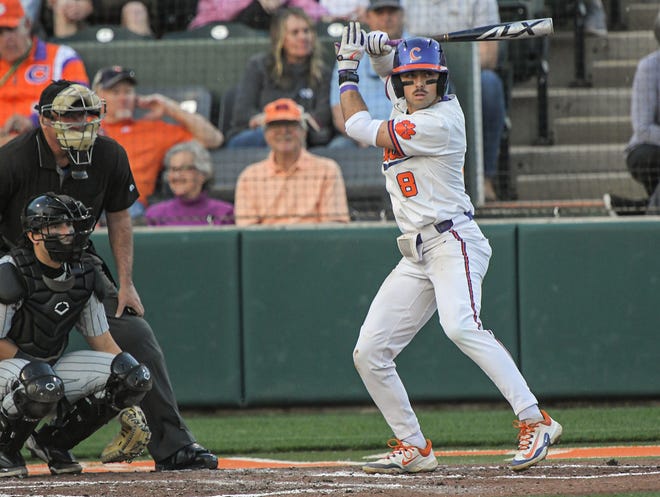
[65, 155]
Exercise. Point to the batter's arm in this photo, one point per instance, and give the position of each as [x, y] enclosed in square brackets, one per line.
[120, 233]
[357, 119]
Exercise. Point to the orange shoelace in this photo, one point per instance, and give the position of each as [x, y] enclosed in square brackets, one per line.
[398, 446]
[525, 434]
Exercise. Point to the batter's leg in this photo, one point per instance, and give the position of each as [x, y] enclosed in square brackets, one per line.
[133, 334]
[403, 304]
[457, 269]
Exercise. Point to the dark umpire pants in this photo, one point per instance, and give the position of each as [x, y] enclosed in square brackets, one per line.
[133, 334]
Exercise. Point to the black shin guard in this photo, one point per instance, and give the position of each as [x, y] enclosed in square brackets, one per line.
[75, 425]
[14, 432]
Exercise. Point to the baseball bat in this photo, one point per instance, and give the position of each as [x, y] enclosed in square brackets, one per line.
[517, 30]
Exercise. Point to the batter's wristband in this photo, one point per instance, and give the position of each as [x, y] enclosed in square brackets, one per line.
[348, 77]
[348, 87]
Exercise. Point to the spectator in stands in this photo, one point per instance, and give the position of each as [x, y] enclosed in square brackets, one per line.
[189, 173]
[27, 67]
[382, 15]
[595, 21]
[346, 10]
[429, 18]
[293, 68]
[643, 150]
[257, 14]
[65, 18]
[147, 139]
[32, 10]
[291, 185]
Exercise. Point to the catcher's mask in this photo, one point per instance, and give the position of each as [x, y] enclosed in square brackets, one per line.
[419, 54]
[48, 210]
[75, 113]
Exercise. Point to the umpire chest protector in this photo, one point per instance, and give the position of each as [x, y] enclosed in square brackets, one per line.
[50, 308]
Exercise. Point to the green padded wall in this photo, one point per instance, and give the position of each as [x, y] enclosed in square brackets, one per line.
[189, 286]
[589, 308]
[305, 293]
[270, 316]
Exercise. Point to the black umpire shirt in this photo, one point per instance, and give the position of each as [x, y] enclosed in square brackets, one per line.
[27, 168]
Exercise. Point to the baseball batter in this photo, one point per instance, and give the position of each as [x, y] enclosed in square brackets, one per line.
[445, 254]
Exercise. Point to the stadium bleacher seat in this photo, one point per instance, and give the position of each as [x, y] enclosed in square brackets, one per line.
[102, 33]
[329, 30]
[218, 32]
[226, 109]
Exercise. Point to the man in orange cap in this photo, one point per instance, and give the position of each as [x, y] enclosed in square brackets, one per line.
[291, 185]
[27, 66]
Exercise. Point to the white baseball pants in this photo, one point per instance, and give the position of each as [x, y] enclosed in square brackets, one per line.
[448, 278]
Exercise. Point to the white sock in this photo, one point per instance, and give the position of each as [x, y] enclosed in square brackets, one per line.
[531, 414]
[416, 439]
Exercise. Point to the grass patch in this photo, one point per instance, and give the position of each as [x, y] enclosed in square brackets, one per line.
[350, 433]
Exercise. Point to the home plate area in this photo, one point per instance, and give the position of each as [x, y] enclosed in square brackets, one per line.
[566, 471]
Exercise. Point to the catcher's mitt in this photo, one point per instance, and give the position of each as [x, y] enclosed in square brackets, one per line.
[133, 438]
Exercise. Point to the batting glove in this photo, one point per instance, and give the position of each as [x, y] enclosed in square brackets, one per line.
[351, 47]
[377, 44]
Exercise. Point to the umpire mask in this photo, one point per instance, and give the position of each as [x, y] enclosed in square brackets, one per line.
[75, 114]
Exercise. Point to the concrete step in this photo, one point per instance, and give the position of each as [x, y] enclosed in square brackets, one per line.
[563, 102]
[571, 186]
[565, 159]
[621, 45]
[613, 73]
[566, 102]
[640, 15]
[625, 45]
[585, 129]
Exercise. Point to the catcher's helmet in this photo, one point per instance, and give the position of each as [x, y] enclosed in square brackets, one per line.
[49, 209]
[419, 54]
[83, 110]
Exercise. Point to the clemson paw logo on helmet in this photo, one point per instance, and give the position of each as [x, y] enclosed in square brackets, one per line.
[405, 129]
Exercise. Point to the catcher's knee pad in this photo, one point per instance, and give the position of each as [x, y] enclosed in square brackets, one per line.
[129, 381]
[41, 390]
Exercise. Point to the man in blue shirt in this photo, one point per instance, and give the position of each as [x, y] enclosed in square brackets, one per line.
[382, 15]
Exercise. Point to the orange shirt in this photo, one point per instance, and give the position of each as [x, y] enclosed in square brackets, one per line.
[45, 63]
[312, 191]
[146, 143]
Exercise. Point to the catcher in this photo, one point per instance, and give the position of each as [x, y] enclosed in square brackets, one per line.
[48, 285]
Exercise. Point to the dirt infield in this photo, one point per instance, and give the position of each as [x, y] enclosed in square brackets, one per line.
[555, 476]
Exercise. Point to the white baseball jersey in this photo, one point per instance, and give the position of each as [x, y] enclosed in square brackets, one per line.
[424, 174]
